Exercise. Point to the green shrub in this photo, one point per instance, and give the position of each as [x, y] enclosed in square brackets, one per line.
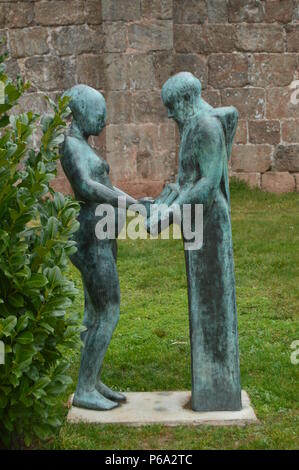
[35, 294]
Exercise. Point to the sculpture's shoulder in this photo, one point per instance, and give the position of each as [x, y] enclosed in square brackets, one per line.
[206, 128]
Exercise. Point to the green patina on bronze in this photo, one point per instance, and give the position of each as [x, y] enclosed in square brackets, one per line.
[96, 259]
[206, 142]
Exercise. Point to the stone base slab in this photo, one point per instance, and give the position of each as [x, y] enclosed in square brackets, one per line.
[166, 408]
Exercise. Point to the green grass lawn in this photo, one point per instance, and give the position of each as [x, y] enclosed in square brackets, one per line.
[150, 348]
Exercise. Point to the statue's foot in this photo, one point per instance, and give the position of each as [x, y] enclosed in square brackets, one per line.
[110, 394]
[93, 401]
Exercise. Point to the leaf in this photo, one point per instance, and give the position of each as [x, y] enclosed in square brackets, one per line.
[25, 338]
[36, 281]
[8, 325]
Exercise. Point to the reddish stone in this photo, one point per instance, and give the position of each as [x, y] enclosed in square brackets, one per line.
[260, 38]
[241, 134]
[119, 107]
[264, 132]
[286, 158]
[159, 9]
[272, 69]
[77, 39]
[16, 16]
[193, 63]
[290, 130]
[62, 12]
[251, 158]
[279, 103]
[28, 42]
[90, 70]
[217, 11]
[252, 179]
[93, 11]
[204, 38]
[228, 70]
[250, 102]
[148, 107]
[212, 97]
[278, 182]
[115, 36]
[296, 176]
[154, 35]
[189, 11]
[279, 10]
[292, 37]
[250, 11]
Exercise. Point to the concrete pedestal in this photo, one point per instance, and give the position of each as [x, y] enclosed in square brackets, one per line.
[166, 408]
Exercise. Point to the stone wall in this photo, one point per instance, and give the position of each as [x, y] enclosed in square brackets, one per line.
[246, 54]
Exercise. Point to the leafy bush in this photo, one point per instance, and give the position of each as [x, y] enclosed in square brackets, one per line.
[34, 290]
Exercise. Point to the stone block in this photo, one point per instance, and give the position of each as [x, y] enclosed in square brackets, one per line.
[193, 63]
[251, 158]
[204, 38]
[272, 69]
[59, 12]
[28, 42]
[16, 16]
[278, 182]
[93, 11]
[217, 11]
[155, 35]
[290, 130]
[34, 102]
[212, 96]
[77, 39]
[279, 11]
[115, 36]
[292, 37]
[286, 158]
[61, 185]
[228, 70]
[296, 176]
[122, 143]
[116, 70]
[148, 107]
[279, 103]
[249, 11]
[241, 133]
[260, 38]
[189, 11]
[91, 70]
[250, 102]
[141, 75]
[159, 9]
[163, 67]
[252, 179]
[121, 10]
[48, 73]
[167, 137]
[119, 107]
[264, 132]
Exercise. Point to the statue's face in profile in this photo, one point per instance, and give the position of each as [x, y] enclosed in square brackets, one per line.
[94, 119]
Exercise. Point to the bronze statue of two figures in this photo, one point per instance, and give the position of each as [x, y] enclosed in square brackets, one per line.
[206, 136]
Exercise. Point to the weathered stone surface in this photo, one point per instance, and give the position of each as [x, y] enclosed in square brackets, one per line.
[241, 134]
[70, 40]
[272, 69]
[250, 102]
[204, 38]
[163, 66]
[251, 158]
[115, 36]
[93, 11]
[34, 101]
[292, 32]
[90, 70]
[228, 70]
[279, 103]
[290, 130]
[212, 96]
[141, 74]
[278, 182]
[127, 10]
[62, 185]
[279, 10]
[217, 11]
[139, 188]
[296, 12]
[62, 12]
[264, 132]
[98, 142]
[252, 179]
[28, 42]
[193, 63]
[116, 71]
[119, 107]
[148, 107]
[153, 35]
[189, 11]
[50, 73]
[296, 176]
[260, 38]
[250, 11]
[286, 158]
[20, 16]
[159, 9]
